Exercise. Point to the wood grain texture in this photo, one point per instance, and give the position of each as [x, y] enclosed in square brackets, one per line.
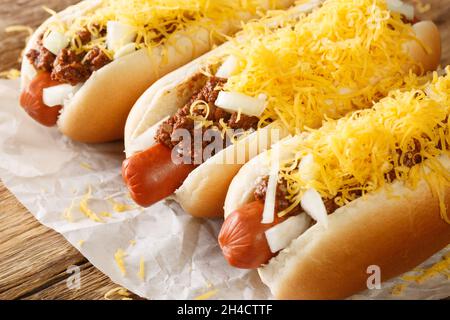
[33, 258]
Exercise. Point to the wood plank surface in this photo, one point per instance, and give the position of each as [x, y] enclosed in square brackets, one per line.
[33, 258]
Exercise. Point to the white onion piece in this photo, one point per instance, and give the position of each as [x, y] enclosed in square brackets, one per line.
[281, 235]
[307, 168]
[125, 50]
[119, 35]
[400, 7]
[308, 6]
[313, 205]
[227, 68]
[235, 102]
[55, 96]
[268, 215]
[146, 139]
[55, 42]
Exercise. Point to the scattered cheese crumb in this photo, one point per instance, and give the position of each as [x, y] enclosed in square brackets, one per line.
[398, 289]
[84, 207]
[207, 295]
[86, 166]
[141, 272]
[68, 212]
[118, 257]
[105, 214]
[80, 243]
[20, 28]
[11, 74]
[441, 267]
[132, 242]
[123, 293]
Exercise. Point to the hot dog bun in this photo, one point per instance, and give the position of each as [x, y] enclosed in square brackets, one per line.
[395, 231]
[98, 111]
[203, 192]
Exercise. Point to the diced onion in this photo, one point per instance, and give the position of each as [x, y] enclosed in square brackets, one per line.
[125, 50]
[400, 7]
[308, 6]
[55, 96]
[307, 169]
[227, 68]
[119, 35]
[271, 192]
[55, 42]
[344, 91]
[235, 102]
[146, 139]
[313, 205]
[281, 235]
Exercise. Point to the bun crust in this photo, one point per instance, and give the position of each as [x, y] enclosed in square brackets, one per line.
[204, 191]
[394, 230]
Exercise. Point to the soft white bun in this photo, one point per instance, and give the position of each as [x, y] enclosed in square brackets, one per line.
[98, 111]
[395, 231]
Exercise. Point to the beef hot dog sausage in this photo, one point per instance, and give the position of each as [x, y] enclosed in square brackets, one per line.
[151, 175]
[242, 237]
[32, 102]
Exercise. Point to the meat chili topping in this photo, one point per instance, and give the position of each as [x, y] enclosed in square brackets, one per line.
[219, 118]
[69, 66]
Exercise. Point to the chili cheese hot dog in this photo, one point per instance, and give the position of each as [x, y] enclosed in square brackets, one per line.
[369, 189]
[102, 54]
[285, 71]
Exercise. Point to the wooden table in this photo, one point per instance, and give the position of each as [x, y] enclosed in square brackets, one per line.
[33, 258]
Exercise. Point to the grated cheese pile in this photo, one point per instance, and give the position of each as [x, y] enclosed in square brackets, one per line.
[356, 154]
[154, 20]
[337, 59]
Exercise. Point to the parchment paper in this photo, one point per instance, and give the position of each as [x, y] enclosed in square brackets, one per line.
[51, 176]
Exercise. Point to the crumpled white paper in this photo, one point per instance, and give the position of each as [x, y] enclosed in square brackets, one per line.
[51, 176]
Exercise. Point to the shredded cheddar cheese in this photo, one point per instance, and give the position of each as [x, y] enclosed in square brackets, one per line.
[207, 295]
[422, 7]
[398, 289]
[364, 151]
[86, 210]
[441, 267]
[11, 74]
[121, 207]
[86, 166]
[337, 59]
[118, 257]
[80, 243]
[155, 20]
[141, 272]
[123, 294]
[67, 214]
